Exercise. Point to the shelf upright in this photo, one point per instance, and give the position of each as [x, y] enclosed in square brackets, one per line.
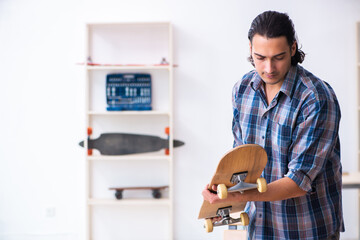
[171, 137]
[358, 107]
[87, 123]
[358, 87]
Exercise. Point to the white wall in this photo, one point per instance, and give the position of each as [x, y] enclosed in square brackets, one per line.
[42, 99]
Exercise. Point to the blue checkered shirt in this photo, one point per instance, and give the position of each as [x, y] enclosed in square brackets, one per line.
[299, 131]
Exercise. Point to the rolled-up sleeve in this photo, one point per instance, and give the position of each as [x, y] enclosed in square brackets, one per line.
[313, 140]
[236, 129]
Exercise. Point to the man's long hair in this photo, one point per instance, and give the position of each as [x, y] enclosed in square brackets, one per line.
[271, 24]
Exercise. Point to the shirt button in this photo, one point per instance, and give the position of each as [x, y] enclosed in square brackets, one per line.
[263, 137]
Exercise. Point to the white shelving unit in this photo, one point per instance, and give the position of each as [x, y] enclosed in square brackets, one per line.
[129, 48]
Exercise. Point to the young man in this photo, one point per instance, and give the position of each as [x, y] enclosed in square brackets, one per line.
[295, 117]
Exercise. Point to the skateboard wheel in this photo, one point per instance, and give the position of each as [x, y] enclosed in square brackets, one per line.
[244, 218]
[222, 191]
[118, 195]
[167, 131]
[167, 152]
[208, 225]
[156, 194]
[89, 131]
[262, 185]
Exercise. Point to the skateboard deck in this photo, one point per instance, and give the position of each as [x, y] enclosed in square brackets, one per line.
[156, 191]
[125, 143]
[351, 180]
[239, 170]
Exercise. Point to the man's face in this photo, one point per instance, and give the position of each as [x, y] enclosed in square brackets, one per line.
[272, 58]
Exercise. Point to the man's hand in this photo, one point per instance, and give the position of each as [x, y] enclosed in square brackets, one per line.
[212, 198]
[209, 196]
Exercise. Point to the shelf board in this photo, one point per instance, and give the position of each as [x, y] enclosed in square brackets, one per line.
[128, 67]
[128, 113]
[117, 24]
[126, 158]
[128, 202]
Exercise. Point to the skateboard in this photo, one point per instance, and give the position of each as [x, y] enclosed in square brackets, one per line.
[156, 191]
[238, 170]
[351, 180]
[163, 62]
[125, 143]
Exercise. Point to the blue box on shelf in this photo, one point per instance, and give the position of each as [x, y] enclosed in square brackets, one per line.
[128, 92]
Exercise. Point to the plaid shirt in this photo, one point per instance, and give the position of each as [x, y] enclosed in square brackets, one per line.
[299, 131]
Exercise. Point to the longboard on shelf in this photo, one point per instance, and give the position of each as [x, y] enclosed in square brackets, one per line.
[126, 143]
[237, 171]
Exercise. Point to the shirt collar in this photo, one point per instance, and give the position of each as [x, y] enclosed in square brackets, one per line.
[289, 83]
[287, 87]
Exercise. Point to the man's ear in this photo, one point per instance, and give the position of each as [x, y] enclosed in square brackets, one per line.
[250, 47]
[293, 48]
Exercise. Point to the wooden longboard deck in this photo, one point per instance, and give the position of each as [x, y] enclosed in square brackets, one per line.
[251, 158]
[126, 143]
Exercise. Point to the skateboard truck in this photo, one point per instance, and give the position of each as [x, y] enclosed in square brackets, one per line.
[225, 217]
[224, 213]
[240, 185]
